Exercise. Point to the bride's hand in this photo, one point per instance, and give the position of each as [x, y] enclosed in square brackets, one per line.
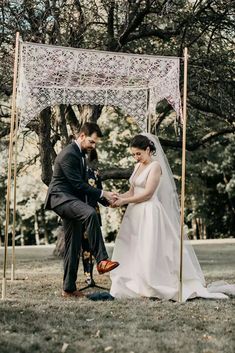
[119, 202]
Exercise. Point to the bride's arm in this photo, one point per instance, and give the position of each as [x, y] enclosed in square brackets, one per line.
[150, 187]
[129, 193]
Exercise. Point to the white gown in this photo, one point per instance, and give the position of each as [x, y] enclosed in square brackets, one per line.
[147, 248]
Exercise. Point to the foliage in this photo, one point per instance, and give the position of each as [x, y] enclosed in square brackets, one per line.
[212, 173]
[30, 193]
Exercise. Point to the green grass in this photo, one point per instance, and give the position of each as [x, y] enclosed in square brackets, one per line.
[35, 318]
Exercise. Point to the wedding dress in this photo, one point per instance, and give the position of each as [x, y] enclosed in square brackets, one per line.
[148, 245]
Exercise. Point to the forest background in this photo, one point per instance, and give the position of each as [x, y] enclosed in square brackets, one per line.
[161, 27]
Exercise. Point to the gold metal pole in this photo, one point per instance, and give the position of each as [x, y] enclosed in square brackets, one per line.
[8, 196]
[183, 173]
[13, 262]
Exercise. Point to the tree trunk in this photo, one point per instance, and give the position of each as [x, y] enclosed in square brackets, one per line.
[44, 226]
[36, 229]
[194, 227]
[59, 248]
[197, 221]
[21, 233]
[45, 145]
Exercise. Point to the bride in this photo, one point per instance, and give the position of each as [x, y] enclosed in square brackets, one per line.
[148, 244]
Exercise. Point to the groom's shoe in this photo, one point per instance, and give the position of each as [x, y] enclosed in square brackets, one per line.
[106, 266]
[75, 294]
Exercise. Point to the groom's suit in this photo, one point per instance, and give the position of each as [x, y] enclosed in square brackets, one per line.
[66, 196]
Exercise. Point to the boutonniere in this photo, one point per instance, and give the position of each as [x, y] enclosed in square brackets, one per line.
[91, 182]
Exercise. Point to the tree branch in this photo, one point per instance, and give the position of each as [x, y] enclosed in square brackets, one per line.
[116, 173]
[157, 32]
[194, 146]
[136, 21]
[207, 108]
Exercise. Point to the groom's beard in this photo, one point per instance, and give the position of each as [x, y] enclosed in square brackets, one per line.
[88, 149]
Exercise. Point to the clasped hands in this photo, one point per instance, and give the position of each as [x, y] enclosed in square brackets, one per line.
[113, 198]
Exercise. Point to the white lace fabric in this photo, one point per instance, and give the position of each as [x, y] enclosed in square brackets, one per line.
[50, 75]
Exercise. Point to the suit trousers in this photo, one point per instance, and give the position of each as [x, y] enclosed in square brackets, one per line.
[77, 216]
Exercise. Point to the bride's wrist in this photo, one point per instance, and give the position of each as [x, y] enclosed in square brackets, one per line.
[125, 201]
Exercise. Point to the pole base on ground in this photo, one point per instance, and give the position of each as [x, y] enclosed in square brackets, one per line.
[12, 272]
[4, 281]
[180, 292]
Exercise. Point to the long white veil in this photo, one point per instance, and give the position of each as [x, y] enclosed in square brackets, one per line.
[167, 195]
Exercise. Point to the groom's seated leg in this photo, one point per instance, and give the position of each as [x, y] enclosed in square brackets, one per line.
[76, 209]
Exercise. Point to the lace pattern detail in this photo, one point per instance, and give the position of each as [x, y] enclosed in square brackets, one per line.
[50, 75]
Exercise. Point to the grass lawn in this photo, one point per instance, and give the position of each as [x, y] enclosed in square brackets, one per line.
[35, 318]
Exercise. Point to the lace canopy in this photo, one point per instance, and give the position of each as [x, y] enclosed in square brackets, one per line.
[50, 75]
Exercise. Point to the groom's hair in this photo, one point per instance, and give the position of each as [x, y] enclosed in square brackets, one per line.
[89, 128]
[142, 142]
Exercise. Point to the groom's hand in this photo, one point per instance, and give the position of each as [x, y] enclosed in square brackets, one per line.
[110, 196]
[112, 203]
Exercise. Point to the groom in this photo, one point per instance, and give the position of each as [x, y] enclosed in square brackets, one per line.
[67, 195]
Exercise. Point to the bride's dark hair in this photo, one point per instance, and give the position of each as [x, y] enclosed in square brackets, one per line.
[142, 142]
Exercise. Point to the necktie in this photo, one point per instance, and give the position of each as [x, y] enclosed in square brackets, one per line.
[83, 157]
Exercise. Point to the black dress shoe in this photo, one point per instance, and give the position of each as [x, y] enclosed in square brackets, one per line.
[75, 294]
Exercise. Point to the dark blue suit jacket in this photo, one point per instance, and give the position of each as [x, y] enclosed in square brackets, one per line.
[69, 179]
